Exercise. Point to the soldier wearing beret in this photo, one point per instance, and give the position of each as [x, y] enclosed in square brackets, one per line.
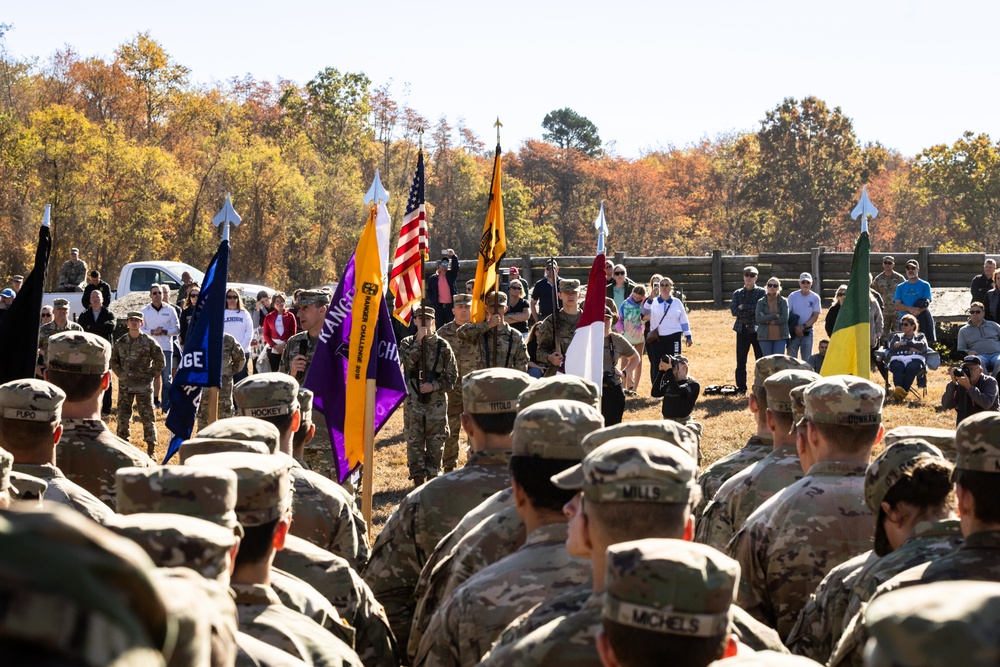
[136, 359]
[431, 511]
[30, 429]
[430, 372]
[88, 453]
[747, 490]
[468, 358]
[788, 545]
[761, 443]
[556, 331]
[498, 343]
[60, 322]
[546, 441]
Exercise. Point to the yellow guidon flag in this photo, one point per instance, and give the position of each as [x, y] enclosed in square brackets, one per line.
[364, 317]
[850, 345]
[492, 247]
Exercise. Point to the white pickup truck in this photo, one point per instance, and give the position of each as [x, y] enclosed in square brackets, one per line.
[140, 276]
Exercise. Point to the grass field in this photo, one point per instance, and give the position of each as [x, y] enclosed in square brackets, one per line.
[727, 422]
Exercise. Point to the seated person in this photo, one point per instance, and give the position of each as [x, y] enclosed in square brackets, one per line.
[679, 391]
[816, 360]
[981, 338]
[970, 390]
[906, 352]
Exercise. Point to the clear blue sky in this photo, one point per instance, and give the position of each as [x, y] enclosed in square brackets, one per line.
[648, 74]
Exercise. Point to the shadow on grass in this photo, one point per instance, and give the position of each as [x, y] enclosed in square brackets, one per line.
[383, 442]
[388, 499]
[719, 405]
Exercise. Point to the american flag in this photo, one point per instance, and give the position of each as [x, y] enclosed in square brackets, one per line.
[405, 279]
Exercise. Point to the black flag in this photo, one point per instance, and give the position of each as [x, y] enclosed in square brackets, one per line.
[19, 327]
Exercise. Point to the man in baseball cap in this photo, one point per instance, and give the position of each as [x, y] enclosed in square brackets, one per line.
[970, 392]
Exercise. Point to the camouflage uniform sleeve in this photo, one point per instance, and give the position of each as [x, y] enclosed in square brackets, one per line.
[237, 360]
[376, 644]
[448, 379]
[157, 360]
[472, 331]
[441, 645]
[519, 359]
[543, 335]
[116, 358]
[715, 527]
[749, 547]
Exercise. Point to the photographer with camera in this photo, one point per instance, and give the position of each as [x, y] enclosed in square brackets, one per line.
[970, 390]
[679, 391]
[615, 347]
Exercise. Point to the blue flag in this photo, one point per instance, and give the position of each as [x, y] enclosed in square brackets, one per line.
[201, 360]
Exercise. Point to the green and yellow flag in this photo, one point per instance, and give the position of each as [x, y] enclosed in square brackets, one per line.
[492, 247]
[850, 345]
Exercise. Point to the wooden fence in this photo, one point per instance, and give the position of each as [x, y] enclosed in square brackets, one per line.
[710, 280]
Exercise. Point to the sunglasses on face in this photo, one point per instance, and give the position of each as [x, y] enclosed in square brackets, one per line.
[231, 297]
[772, 285]
[975, 312]
[619, 273]
[45, 315]
[515, 288]
[805, 282]
[887, 263]
[666, 286]
[749, 275]
[154, 294]
[906, 324]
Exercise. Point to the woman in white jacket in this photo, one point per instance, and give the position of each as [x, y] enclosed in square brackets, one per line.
[238, 324]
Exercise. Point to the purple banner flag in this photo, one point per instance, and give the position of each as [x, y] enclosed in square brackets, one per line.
[327, 376]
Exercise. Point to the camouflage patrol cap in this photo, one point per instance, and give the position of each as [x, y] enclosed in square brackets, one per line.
[202, 493]
[31, 400]
[977, 440]
[765, 659]
[74, 589]
[670, 586]
[660, 429]
[248, 429]
[61, 303]
[78, 352]
[6, 463]
[493, 390]
[554, 429]
[845, 400]
[780, 384]
[135, 315]
[263, 485]
[493, 297]
[264, 395]
[27, 487]
[175, 540]
[305, 398]
[798, 398]
[939, 624]
[942, 438]
[425, 313]
[564, 387]
[767, 366]
[462, 299]
[633, 469]
[309, 297]
[569, 285]
[200, 446]
[892, 465]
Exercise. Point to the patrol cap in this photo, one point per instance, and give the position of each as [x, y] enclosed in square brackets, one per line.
[6, 463]
[175, 540]
[493, 390]
[670, 586]
[426, 313]
[889, 258]
[892, 465]
[200, 446]
[247, 429]
[78, 352]
[462, 299]
[663, 430]
[31, 400]
[779, 386]
[765, 659]
[977, 440]
[305, 398]
[554, 429]
[767, 366]
[942, 438]
[569, 285]
[939, 624]
[845, 400]
[633, 469]
[75, 589]
[263, 485]
[264, 395]
[493, 297]
[203, 493]
[308, 297]
[60, 303]
[134, 315]
[27, 487]
[566, 387]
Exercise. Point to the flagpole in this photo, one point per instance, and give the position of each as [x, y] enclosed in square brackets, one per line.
[496, 283]
[225, 216]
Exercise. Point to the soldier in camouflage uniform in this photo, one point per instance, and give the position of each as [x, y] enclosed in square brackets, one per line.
[233, 361]
[885, 285]
[429, 513]
[759, 445]
[323, 512]
[73, 272]
[118, 615]
[509, 350]
[430, 371]
[307, 429]
[793, 540]
[565, 321]
[263, 508]
[30, 427]
[60, 322]
[6, 462]
[136, 359]
[88, 452]
[747, 490]
[467, 359]
[546, 441]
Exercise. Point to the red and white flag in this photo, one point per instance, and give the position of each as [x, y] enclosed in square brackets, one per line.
[585, 354]
[406, 281]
